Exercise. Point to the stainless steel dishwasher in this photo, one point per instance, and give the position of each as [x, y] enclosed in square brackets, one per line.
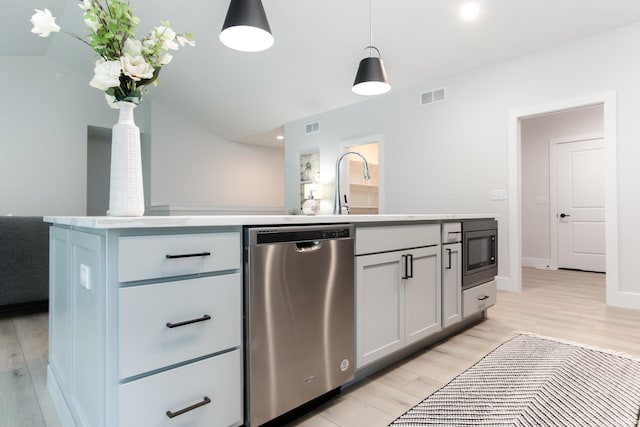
[299, 316]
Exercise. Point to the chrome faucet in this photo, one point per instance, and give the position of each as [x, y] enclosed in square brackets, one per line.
[337, 203]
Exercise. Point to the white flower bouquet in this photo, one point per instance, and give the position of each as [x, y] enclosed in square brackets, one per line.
[126, 66]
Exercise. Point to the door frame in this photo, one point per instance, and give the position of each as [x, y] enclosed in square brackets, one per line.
[553, 190]
[346, 144]
[608, 100]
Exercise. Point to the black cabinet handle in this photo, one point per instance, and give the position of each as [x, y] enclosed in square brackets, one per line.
[188, 255]
[562, 215]
[205, 400]
[188, 322]
[405, 260]
[408, 266]
[482, 298]
[449, 255]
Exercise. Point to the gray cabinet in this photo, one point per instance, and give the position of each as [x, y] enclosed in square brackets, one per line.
[77, 315]
[422, 295]
[146, 327]
[451, 284]
[398, 290]
[478, 298]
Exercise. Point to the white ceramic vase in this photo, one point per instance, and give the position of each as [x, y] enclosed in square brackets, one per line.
[126, 194]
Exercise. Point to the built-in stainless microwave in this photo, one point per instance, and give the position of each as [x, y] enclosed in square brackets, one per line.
[479, 251]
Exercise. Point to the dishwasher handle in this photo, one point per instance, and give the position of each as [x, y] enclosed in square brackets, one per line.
[308, 246]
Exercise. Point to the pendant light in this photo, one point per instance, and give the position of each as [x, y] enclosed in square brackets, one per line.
[246, 27]
[371, 78]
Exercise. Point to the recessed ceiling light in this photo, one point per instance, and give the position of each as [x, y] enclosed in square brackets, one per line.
[469, 11]
[279, 137]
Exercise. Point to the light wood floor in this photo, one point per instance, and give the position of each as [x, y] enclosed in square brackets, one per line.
[561, 304]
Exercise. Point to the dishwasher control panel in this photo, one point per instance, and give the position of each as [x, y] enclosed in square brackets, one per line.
[268, 235]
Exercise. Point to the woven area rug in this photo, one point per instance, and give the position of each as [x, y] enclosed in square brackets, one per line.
[537, 381]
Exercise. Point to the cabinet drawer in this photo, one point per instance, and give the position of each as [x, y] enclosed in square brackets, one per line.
[145, 402]
[478, 298]
[150, 257]
[395, 237]
[146, 340]
[451, 232]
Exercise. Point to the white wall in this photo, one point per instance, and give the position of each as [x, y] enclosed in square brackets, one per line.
[447, 157]
[536, 132]
[191, 167]
[44, 115]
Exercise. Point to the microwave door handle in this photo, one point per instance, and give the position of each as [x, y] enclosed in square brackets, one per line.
[493, 249]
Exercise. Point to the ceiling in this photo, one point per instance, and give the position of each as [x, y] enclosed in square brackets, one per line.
[247, 97]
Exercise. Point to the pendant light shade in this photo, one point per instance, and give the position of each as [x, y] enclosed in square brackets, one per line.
[246, 27]
[371, 78]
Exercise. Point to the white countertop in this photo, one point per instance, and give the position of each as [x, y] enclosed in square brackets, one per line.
[240, 220]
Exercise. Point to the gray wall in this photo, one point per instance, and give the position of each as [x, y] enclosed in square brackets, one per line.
[536, 132]
[191, 167]
[448, 157]
[43, 148]
[44, 122]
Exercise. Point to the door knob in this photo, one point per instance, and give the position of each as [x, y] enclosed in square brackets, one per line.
[564, 215]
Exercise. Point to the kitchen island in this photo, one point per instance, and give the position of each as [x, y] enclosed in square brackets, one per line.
[146, 313]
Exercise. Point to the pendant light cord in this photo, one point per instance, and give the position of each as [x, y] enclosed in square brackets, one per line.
[370, 29]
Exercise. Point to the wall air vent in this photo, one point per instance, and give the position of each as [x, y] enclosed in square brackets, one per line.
[426, 98]
[435, 95]
[312, 128]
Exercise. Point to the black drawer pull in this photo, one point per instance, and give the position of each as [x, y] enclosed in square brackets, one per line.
[205, 400]
[482, 298]
[188, 322]
[188, 255]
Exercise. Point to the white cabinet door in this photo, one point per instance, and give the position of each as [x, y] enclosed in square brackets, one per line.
[451, 284]
[379, 306]
[422, 294]
[397, 301]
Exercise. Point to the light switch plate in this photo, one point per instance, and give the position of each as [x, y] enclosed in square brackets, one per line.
[542, 200]
[498, 194]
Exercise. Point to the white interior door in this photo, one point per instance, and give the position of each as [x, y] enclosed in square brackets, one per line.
[580, 214]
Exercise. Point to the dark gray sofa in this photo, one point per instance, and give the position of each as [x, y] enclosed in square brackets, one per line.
[24, 264]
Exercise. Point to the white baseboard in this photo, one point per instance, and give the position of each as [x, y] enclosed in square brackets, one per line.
[623, 299]
[539, 263]
[507, 284]
[64, 415]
